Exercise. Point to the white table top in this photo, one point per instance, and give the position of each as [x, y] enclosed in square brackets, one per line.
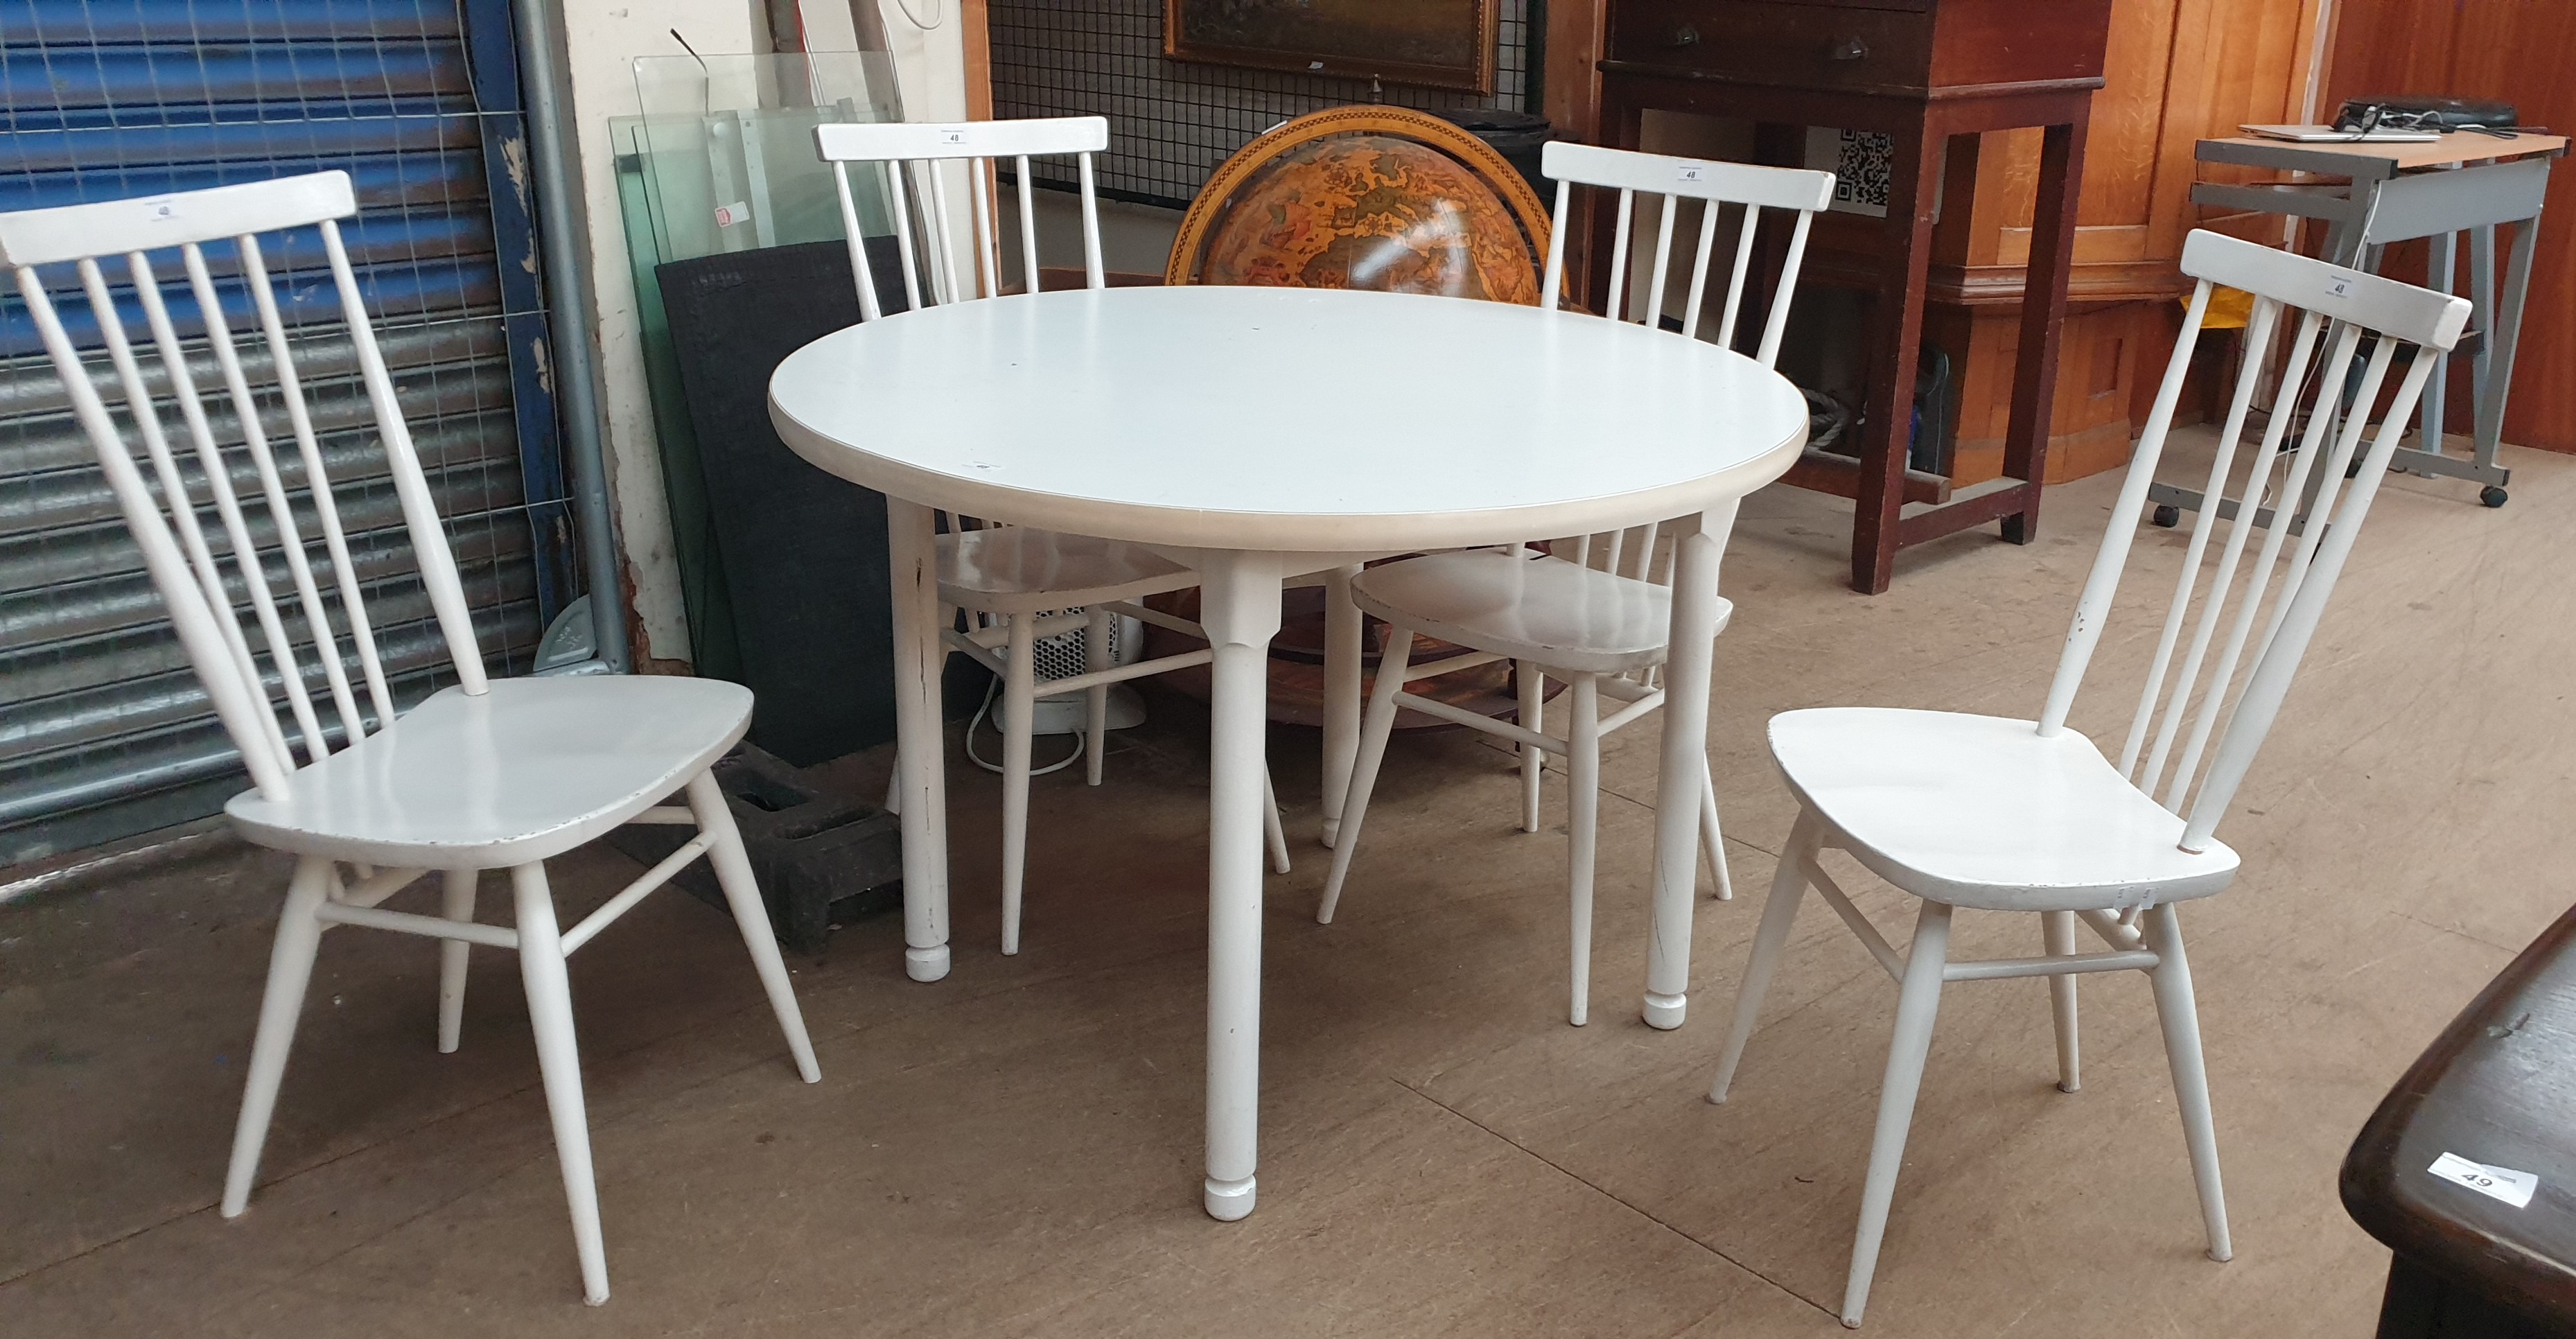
[1286, 419]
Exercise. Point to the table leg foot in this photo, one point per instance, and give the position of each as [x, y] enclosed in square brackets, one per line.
[926, 964]
[1665, 1012]
[1332, 832]
[1229, 1201]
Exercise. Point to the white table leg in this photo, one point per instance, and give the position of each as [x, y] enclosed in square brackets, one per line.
[1239, 595]
[1341, 694]
[1697, 544]
[919, 654]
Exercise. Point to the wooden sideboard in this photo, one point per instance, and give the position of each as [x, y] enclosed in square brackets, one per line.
[2174, 72]
[1921, 73]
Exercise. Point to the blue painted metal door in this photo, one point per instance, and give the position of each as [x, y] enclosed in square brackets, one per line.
[103, 730]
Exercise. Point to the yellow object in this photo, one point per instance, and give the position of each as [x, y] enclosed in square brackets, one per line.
[2229, 308]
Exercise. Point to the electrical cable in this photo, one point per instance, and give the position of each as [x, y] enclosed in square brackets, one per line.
[990, 689]
[940, 15]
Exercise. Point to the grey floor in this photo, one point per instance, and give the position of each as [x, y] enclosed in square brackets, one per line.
[1015, 1150]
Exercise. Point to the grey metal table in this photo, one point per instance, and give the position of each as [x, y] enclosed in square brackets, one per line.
[2397, 192]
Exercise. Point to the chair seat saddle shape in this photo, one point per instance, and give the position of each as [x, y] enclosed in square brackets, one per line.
[484, 775]
[1014, 584]
[1596, 610]
[527, 771]
[1990, 814]
[1019, 569]
[1985, 812]
[1560, 614]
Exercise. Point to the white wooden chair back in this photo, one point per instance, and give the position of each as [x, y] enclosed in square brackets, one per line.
[2183, 706]
[184, 564]
[1633, 552]
[917, 151]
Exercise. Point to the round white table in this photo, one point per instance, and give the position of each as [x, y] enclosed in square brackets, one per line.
[1256, 434]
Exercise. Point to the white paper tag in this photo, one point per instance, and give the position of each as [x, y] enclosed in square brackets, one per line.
[2503, 1183]
[1690, 172]
[957, 137]
[165, 210]
[729, 215]
[2340, 285]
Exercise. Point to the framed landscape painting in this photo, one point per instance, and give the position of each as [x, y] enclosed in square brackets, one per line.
[1440, 43]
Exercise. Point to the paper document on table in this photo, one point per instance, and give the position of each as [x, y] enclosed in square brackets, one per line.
[2330, 135]
[2503, 1183]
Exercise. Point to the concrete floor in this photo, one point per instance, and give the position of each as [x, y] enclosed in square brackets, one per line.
[1015, 1150]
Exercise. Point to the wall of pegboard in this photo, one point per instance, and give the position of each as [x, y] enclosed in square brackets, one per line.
[1172, 122]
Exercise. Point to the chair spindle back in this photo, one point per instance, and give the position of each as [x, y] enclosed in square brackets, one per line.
[2230, 678]
[915, 153]
[1713, 186]
[186, 567]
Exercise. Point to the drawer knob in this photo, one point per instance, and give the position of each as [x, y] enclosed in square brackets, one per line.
[1683, 36]
[1850, 48]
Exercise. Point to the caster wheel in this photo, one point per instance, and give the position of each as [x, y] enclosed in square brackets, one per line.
[2167, 515]
[2491, 495]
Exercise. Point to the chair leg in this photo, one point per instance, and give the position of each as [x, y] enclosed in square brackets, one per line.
[1533, 716]
[1779, 912]
[541, 970]
[2057, 931]
[1918, 998]
[1019, 705]
[1582, 831]
[1273, 831]
[290, 967]
[456, 904]
[1709, 837]
[1095, 658]
[2181, 1020]
[732, 866]
[1375, 727]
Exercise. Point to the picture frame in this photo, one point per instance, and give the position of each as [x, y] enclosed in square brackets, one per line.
[1433, 43]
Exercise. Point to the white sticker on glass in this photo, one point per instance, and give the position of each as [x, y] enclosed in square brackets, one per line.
[2503, 1183]
[729, 215]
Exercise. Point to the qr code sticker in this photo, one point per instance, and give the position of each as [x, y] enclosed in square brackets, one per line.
[1861, 161]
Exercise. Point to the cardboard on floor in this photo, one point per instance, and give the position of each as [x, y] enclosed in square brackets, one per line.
[1015, 1150]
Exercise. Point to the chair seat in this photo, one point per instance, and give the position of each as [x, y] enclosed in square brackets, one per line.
[529, 770]
[1018, 569]
[1556, 613]
[1980, 811]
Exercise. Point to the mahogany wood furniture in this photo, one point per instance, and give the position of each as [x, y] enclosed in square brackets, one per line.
[1919, 71]
[2493, 1089]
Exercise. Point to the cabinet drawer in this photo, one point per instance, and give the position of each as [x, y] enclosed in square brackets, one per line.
[1771, 42]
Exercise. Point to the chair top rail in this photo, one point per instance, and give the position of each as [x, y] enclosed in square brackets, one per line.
[1690, 178]
[2222, 591]
[2337, 292]
[877, 142]
[112, 227]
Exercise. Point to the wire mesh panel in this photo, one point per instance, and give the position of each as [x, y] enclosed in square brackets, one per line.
[104, 730]
[1172, 122]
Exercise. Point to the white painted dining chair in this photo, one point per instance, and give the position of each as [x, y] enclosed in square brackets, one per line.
[1594, 610]
[2012, 815]
[486, 774]
[1018, 584]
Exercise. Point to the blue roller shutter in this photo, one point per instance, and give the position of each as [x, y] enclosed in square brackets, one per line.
[103, 730]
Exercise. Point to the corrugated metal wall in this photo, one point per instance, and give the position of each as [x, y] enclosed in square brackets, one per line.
[103, 729]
